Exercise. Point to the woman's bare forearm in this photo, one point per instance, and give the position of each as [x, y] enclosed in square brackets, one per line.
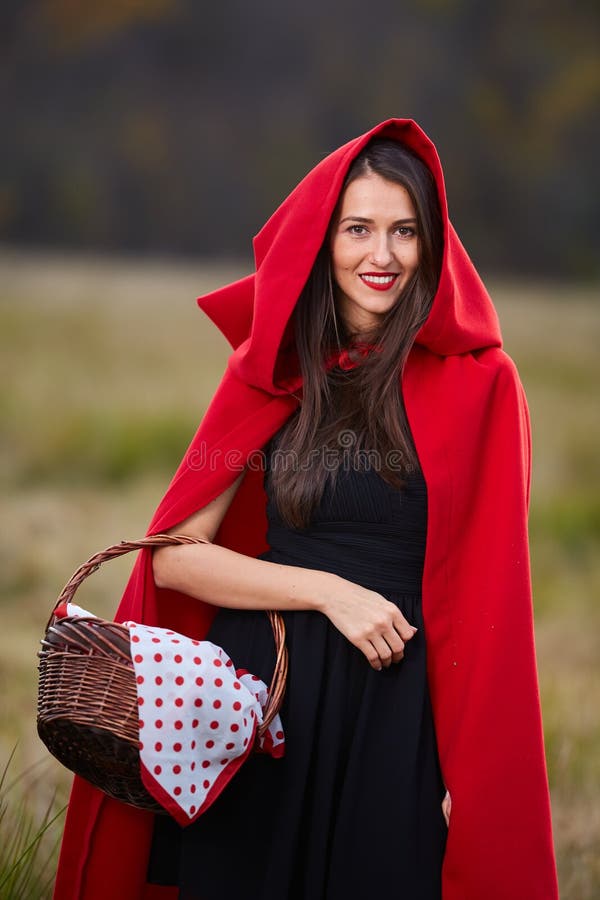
[223, 577]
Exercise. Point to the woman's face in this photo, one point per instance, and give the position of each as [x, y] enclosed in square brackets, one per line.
[374, 249]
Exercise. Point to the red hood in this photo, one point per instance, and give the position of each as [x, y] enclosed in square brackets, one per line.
[253, 313]
[469, 419]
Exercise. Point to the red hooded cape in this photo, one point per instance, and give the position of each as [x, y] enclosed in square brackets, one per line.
[469, 419]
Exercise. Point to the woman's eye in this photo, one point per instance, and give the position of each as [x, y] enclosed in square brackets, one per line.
[357, 229]
[405, 231]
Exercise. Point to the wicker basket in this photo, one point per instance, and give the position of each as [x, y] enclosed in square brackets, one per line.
[87, 700]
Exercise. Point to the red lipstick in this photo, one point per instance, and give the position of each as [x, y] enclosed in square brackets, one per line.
[379, 281]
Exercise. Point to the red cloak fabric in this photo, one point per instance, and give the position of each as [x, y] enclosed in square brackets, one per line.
[469, 419]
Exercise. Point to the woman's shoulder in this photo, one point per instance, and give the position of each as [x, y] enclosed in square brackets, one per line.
[490, 367]
[497, 360]
[477, 370]
[502, 373]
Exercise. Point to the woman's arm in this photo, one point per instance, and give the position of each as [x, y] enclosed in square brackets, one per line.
[223, 577]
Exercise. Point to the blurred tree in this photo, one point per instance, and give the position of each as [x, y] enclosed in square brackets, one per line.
[76, 25]
[173, 126]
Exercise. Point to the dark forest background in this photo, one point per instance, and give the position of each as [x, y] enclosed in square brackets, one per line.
[176, 127]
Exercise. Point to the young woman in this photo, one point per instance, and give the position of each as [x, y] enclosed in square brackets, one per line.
[388, 523]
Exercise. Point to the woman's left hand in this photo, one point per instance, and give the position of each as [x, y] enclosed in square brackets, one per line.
[447, 807]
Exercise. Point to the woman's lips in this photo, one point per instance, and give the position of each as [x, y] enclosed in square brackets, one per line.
[379, 281]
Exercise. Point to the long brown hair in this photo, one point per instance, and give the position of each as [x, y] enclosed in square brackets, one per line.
[356, 417]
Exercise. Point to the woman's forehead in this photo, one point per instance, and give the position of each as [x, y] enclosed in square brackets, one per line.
[371, 196]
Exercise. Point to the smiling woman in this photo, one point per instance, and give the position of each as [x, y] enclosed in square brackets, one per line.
[370, 289]
[385, 234]
[374, 250]
[379, 500]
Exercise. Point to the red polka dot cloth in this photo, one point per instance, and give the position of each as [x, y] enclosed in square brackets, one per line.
[198, 717]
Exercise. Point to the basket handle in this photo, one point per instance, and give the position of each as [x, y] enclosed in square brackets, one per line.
[94, 562]
[277, 686]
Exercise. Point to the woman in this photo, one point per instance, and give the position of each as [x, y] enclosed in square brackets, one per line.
[365, 319]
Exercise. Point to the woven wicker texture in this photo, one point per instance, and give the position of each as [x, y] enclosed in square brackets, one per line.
[87, 700]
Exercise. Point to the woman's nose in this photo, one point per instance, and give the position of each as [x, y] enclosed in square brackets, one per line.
[381, 254]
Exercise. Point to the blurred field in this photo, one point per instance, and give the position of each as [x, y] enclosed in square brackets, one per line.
[106, 368]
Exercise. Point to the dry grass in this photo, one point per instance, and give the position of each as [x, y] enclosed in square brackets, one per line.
[106, 369]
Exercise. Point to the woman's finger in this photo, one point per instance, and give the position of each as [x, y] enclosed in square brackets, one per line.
[396, 645]
[385, 653]
[372, 655]
[404, 628]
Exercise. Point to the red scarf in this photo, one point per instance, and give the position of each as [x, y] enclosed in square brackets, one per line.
[469, 420]
[346, 357]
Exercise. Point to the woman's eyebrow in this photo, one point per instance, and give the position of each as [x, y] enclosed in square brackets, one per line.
[364, 221]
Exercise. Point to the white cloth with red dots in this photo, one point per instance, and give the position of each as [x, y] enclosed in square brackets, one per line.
[198, 717]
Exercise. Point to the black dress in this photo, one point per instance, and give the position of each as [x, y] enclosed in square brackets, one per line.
[353, 809]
